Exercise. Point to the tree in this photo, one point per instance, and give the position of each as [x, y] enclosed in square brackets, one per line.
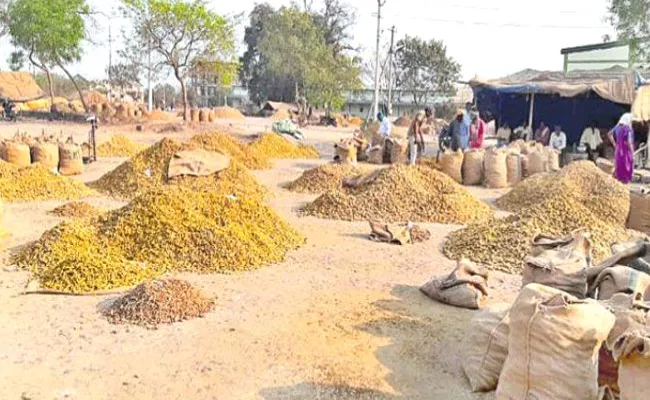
[630, 18]
[181, 33]
[51, 33]
[165, 95]
[424, 68]
[16, 60]
[336, 21]
[123, 75]
[61, 85]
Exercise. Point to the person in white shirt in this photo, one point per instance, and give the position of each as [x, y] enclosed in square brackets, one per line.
[592, 141]
[384, 125]
[503, 135]
[558, 139]
[524, 132]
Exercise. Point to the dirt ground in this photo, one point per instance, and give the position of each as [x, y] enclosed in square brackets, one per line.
[341, 318]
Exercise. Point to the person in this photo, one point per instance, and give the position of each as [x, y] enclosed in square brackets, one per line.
[622, 138]
[523, 132]
[477, 132]
[503, 135]
[385, 127]
[467, 122]
[558, 139]
[415, 138]
[591, 140]
[542, 134]
[455, 131]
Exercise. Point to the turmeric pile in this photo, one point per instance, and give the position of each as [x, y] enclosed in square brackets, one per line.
[273, 145]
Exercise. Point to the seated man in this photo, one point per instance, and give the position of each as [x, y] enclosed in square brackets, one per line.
[592, 141]
[558, 139]
[504, 134]
[523, 132]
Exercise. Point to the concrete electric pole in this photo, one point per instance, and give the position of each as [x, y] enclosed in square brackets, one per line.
[390, 70]
[375, 108]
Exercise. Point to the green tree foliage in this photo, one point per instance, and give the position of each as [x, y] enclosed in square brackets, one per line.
[631, 20]
[424, 68]
[61, 85]
[123, 75]
[51, 32]
[181, 33]
[295, 49]
[336, 20]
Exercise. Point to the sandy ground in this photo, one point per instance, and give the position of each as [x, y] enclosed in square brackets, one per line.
[341, 318]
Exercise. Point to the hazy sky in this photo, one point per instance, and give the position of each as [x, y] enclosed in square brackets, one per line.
[489, 38]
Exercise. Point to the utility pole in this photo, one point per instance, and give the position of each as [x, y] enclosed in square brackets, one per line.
[390, 70]
[110, 61]
[380, 4]
[149, 88]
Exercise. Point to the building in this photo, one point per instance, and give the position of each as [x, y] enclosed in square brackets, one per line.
[360, 102]
[205, 89]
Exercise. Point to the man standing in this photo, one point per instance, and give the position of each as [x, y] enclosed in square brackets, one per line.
[558, 139]
[455, 129]
[384, 125]
[416, 140]
[592, 141]
[467, 122]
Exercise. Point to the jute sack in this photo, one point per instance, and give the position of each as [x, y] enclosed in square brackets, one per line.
[376, 155]
[605, 165]
[553, 160]
[212, 116]
[377, 140]
[451, 163]
[345, 152]
[203, 115]
[465, 287]
[553, 346]
[47, 154]
[632, 351]
[619, 279]
[194, 115]
[16, 153]
[473, 167]
[399, 151]
[70, 159]
[563, 267]
[485, 347]
[515, 170]
[537, 161]
[543, 242]
[496, 169]
[639, 218]
[197, 163]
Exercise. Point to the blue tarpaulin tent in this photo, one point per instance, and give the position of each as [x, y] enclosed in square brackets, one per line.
[571, 102]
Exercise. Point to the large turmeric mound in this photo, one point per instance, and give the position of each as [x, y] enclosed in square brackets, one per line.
[273, 145]
[170, 229]
[232, 147]
[148, 171]
[119, 146]
[228, 113]
[323, 178]
[402, 193]
[36, 183]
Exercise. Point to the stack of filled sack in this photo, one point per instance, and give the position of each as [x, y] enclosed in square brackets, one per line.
[48, 151]
[576, 330]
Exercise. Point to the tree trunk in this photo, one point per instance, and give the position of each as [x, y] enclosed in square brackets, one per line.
[44, 68]
[81, 96]
[186, 108]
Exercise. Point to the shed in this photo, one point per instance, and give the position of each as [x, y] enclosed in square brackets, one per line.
[572, 101]
[19, 87]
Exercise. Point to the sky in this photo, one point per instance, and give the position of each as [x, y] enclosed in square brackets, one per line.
[489, 38]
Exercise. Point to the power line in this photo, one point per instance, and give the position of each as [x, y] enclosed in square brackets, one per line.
[497, 25]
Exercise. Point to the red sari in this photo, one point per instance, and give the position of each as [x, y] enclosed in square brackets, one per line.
[477, 133]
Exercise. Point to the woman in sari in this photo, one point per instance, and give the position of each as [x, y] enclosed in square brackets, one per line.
[622, 138]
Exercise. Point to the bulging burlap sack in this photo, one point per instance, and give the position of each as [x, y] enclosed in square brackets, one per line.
[212, 115]
[514, 166]
[537, 161]
[70, 159]
[16, 153]
[47, 154]
[376, 155]
[122, 112]
[553, 346]
[376, 140]
[399, 151]
[563, 267]
[485, 347]
[473, 167]
[639, 218]
[496, 168]
[552, 160]
[203, 115]
[194, 115]
[197, 163]
[465, 287]
[619, 279]
[451, 163]
[345, 152]
[632, 351]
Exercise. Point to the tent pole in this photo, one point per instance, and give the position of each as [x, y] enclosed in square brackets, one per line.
[532, 110]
